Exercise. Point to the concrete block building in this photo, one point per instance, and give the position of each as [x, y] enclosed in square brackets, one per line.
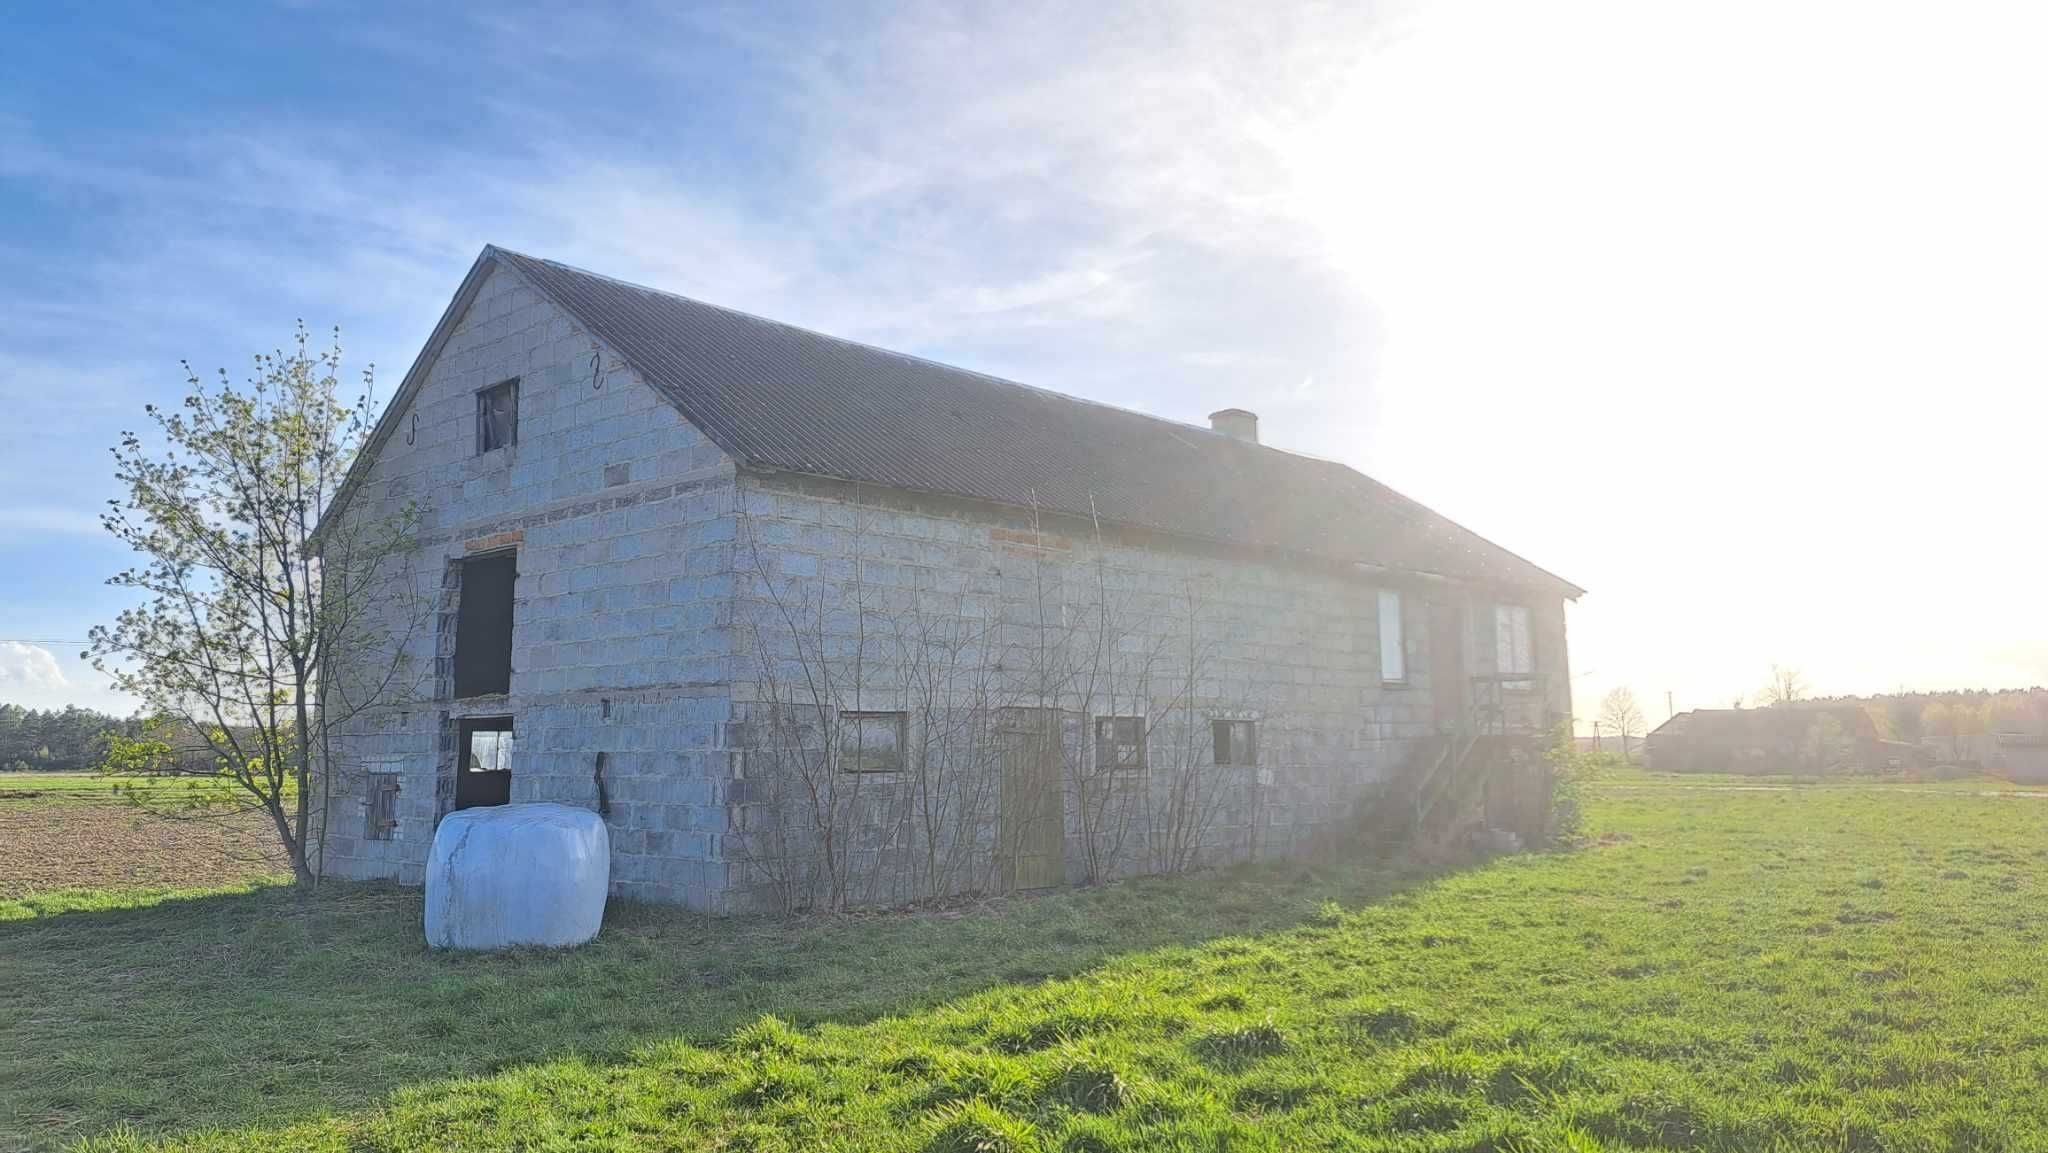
[817, 624]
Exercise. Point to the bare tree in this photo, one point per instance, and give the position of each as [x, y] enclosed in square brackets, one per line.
[1618, 710]
[999, 680]
[1787, 686]
[247, 615]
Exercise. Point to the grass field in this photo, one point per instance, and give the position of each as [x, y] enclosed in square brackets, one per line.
[101, 786]
[70, 840]
[1726, 968]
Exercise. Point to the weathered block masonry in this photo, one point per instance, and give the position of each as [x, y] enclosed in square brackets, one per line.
[677, 604]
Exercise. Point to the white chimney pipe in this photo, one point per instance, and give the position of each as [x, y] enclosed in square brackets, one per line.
[1238, 422]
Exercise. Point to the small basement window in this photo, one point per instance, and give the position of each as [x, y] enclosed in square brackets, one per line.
[1393, 654]
[483, 625]
[1237, 742]
[497, 417]
[872, 742]
[380, 819]
[1119, 744]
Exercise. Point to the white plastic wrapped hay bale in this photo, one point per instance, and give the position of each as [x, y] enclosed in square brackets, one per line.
[517, 875]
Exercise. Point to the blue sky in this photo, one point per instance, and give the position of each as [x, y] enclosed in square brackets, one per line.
[1727, 316]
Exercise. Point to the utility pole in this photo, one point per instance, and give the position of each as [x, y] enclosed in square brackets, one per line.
[1669, 712]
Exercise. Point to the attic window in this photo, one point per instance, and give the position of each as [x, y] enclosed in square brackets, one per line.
[497, 417]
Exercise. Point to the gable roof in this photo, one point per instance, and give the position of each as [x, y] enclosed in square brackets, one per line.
[775, 396]
[1788, 721]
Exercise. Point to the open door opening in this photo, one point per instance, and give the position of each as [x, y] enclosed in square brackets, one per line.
[484, 775]
[483, 626]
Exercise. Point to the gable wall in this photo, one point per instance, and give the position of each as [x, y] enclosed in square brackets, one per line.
[620, 513]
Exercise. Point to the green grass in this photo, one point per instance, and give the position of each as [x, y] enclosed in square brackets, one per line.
[57, 785]
[51, 902]
[98, 788]
[1824, 969]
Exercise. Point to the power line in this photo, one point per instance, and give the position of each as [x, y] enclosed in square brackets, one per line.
[39, 641]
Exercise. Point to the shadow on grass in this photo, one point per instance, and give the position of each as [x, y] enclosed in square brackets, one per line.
[269, 1006]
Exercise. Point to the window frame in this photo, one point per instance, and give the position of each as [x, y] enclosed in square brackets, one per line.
[1398, 673]
[1224, 744]
[1514, 641]
[483, 408]
[469, 727]
[849, 760]
[380, 804]
[1116, 764]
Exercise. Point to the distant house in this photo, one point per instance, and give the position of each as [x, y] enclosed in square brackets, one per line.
[2023, 756]
[813, 621]
[1785, 738]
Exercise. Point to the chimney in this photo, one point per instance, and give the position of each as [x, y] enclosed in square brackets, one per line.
[1237, 422]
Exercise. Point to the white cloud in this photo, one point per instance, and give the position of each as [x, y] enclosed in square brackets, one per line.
[1725, 312]
[28, 671]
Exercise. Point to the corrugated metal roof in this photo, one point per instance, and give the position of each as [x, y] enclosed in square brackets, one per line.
[777, 396]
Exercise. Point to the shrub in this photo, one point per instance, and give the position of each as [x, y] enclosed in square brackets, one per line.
[1570, 772]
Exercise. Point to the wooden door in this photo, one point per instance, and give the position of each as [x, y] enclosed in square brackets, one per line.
[1032, 825]
[1447, 678]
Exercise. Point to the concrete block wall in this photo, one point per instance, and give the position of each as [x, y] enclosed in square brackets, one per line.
[620, 514]
[643, 624]
[1295, 648]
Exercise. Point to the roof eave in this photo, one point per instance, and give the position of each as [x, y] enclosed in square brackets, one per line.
[1566, 588]
[408, 389]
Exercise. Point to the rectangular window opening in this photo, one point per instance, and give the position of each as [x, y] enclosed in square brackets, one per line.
[484, 776]
[1120, 744]
[497, 416]
[1393, 651]
[380, 819]
[872, 742]
[1237, 742]
[483, 626]
[1512, 652]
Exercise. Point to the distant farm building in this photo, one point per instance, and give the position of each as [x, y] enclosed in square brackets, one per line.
[1779, 739]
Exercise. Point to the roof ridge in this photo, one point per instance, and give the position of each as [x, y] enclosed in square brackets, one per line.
[1040, 389]
[1332, 497]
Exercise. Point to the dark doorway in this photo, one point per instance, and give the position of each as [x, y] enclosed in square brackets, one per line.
[483, 776]
[483, 626]
[1447, 664]
[1032, 825]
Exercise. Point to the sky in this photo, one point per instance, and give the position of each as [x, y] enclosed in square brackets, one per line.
[1729, 313]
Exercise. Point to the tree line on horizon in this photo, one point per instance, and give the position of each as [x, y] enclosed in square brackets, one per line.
[1952, 717]
[1956, 715]
[70, 739]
